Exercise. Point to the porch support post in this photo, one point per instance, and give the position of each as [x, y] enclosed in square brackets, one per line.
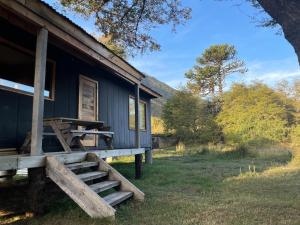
[39, 87]
[138, 157]
[148, 156]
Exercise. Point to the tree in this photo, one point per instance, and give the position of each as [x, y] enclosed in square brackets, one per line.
[187, 115]
[254, 114]
[211, 69]
[115, 47]
[287, 14]
[129, 22]
[284, 88]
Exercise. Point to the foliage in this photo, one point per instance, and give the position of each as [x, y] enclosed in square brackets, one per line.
[266, 21]
[211, 69]
[115, 47]
[295, 136]
[129, 22]
[187, 115]
[157, 125]
[254, 114]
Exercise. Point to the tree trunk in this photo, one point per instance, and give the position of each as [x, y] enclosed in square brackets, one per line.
[287, 14]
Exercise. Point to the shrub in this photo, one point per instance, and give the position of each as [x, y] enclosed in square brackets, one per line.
[187, 115]
[157, 125]
[254, 114]
[295, 136]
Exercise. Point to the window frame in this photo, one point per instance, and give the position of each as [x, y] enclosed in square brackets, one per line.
[145, 111]
[31, 53]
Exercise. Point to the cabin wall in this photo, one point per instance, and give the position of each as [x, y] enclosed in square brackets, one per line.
[16, 109]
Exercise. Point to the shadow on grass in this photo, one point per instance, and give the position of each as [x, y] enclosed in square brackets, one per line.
[202, 188]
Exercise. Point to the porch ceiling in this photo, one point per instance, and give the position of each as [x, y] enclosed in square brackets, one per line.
[42, 15]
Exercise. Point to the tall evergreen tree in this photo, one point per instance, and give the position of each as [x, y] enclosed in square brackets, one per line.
[211, 69]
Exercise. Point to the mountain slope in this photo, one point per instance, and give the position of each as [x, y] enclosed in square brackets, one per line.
[165, 90]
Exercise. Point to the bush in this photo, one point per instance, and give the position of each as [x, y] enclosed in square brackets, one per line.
[295, 136]
[157, 125]
[254, 114]
[187, 115]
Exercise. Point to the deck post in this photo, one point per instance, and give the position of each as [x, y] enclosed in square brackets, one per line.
[36, 196]
[138, 157]
[39, 87]
[148, 156]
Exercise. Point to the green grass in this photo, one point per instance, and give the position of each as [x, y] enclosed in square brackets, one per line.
[211, 187]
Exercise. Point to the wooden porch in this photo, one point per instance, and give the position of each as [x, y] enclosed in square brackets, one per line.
[64, 168]
[17, 162]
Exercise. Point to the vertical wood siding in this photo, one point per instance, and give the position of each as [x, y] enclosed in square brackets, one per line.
[16, 109]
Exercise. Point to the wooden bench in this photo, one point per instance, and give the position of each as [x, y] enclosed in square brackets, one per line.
[67, 132]
[107, 135]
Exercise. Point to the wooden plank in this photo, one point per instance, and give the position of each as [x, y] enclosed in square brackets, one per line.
[91, 132]
[75, 166]
[91, 175]
[79, 122]
[113, 174]
[81, 193]
[117, 197]
[59, 136]
[38, 97]
[27, 161]
[104, 185]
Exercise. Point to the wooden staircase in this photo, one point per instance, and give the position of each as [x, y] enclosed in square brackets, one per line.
[83, 181]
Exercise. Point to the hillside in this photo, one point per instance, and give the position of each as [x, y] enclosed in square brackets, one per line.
[165, 90]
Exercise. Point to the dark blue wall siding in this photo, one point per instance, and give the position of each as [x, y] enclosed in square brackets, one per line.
[16, 109]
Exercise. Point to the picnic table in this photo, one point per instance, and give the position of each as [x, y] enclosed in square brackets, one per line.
[67, 131]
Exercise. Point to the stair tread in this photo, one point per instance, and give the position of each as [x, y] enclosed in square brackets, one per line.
[80, 165]
[117, 197]
[104, 185]
[92, 175]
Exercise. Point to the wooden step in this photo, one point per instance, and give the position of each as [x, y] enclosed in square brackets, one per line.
[81, 193]
[117, 197]
[105, 185]
[75, 166]
[92, 175]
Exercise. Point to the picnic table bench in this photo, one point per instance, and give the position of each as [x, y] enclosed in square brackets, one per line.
[67, 131]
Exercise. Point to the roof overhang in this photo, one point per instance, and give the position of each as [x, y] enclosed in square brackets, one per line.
[42, 15]
[149, 91]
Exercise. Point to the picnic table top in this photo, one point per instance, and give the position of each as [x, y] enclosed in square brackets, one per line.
[79, 122]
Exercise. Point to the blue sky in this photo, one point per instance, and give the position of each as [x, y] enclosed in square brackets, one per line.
[269, 57]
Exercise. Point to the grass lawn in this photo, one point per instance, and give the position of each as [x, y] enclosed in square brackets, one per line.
[209, 188]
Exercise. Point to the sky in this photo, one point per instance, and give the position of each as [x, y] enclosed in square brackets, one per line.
[268, 56]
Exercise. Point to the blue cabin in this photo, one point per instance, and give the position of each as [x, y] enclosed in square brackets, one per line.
[67, 104]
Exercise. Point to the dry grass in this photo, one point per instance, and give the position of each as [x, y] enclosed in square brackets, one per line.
[215, 187]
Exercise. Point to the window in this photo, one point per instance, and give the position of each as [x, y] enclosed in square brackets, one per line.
[142, 115]
[132, 114]
[17, 70]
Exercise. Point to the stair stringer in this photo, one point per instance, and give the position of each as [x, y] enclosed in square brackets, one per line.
[113, 174]
[81, 193]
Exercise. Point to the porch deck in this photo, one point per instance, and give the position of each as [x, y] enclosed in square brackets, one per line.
[16, 162]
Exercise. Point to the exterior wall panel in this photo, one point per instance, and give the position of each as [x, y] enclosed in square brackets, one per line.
[113, 94]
